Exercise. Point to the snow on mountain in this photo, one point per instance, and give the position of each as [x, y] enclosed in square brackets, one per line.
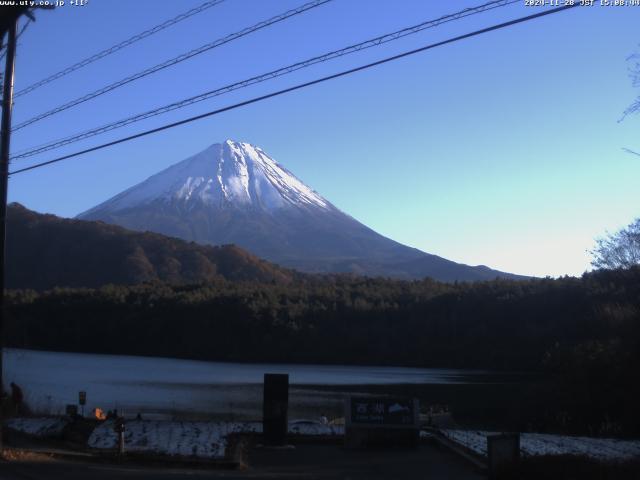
[231, 173]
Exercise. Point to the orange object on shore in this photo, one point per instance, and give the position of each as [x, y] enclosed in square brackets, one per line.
[99, 414]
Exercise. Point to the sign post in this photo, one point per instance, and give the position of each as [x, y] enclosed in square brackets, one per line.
[274, 409]
[120, 429]
[82, 400]
[371, 421]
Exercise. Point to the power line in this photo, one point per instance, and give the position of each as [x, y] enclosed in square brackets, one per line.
[264, 77]
[174, 61]
[119, 46]
[299, 86]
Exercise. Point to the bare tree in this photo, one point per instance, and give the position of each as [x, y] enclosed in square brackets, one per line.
[618, 250]
[634, 74]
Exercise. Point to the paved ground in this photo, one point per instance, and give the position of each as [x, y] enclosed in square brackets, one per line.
[322, 462]
[334, 462]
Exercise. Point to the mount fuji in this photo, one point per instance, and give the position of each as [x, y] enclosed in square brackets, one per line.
[234, 192]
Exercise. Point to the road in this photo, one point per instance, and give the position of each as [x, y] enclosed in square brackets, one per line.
[321, 462]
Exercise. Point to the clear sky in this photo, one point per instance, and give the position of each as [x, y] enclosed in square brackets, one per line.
[503, 149]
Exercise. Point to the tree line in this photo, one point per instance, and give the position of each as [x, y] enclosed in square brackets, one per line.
[582, 332]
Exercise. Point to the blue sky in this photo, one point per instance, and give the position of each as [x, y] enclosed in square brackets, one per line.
[503, 150]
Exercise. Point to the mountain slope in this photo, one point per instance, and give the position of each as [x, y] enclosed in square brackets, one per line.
[235, 193]
[45, 251]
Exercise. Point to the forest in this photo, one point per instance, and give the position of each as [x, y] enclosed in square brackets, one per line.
[582, 334]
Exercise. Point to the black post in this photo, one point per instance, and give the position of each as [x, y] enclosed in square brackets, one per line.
[120, 428]
[274, 409]
[5, 140]
[503, 454]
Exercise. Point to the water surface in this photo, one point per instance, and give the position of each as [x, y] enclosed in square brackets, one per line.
[179, 388]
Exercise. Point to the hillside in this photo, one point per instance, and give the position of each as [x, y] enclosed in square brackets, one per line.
[45, 251]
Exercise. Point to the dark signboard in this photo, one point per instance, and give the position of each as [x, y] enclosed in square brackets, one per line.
[370, 411]
[274, 408]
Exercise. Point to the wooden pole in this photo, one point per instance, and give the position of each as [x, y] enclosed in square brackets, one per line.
[5, 141]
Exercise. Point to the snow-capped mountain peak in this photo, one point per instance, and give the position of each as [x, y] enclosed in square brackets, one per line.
[225, 174]
[233, 192]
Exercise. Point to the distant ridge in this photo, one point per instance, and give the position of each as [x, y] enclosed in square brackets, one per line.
[233, 192]
[45, 251]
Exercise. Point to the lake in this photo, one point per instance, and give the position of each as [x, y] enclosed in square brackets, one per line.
[166, 387]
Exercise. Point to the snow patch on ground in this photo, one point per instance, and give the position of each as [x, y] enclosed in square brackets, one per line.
[313, 428]
[532, 444]
[39, 427]
[190, 439]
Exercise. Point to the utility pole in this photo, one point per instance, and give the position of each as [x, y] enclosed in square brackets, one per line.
[5, 141]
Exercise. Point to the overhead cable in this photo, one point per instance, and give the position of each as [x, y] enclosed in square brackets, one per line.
[113, 49]
[172, 61]
[263, 77]
[299, 86]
